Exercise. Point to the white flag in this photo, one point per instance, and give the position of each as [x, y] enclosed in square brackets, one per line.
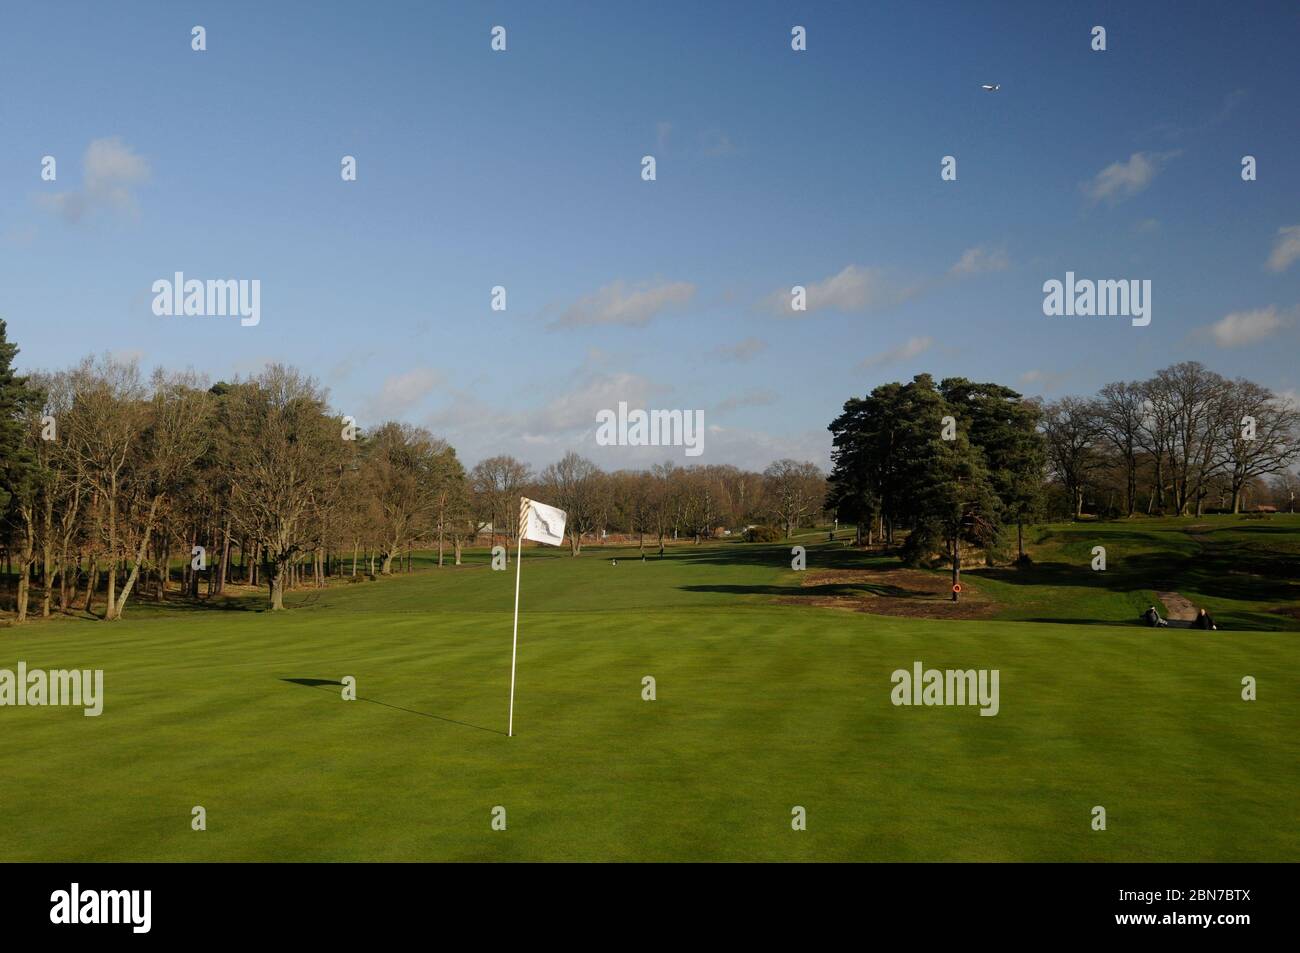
[541, 523]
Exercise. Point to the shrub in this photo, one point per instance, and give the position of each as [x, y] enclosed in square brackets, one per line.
[762, 534]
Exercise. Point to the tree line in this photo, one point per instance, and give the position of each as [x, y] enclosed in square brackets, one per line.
[960, 463]
[114, 486]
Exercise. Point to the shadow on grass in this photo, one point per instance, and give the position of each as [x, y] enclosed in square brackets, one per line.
[335, 683]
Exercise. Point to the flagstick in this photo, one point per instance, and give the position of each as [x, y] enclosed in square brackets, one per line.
[514, 648]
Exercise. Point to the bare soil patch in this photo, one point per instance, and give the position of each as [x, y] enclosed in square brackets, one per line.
[896, 592]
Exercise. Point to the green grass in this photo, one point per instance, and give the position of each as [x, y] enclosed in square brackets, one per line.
[1238, 568]
[761, 706]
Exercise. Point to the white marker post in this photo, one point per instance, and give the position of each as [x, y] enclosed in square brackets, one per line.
[542, 524]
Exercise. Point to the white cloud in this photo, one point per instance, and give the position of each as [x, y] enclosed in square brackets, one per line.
[755, 449]
[1122, 180]
[401, 391]
[1245, 327]
[1286, 249]
[856, 288]
[567, 421]
[110, 172]
[977, 260]
[617, 304]
[912, 347]
[126, 355]
[1042, 380]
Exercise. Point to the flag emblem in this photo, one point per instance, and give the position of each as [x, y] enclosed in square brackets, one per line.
[541, 523]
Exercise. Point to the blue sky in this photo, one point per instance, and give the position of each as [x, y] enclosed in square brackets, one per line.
[775, 168]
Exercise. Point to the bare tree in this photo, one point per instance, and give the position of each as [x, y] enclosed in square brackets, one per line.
[1120, 410]
[1259, 434]
[401, 473]
[176, 434]
[104, 424]
[1071, 429]
[573, 484]
[1190, 398]
[795, 491]
[498, 482]
[281, 442]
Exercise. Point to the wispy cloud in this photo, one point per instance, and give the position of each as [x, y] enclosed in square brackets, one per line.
[980, 259]
[110, 172]
[402, 391]
[619, 304]
[1245, 327]
[741, 351]
[1286, 248]
[1122, 180]
[1229, 105]
[565, 420]
[1043, 380]
[912, 347]
[856, 288]
[754, 398]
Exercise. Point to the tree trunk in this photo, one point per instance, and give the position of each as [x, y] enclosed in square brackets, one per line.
[956, 567]
[27, 557]
[92, 583]
[225, 558]
[276, 584]
[24, 582]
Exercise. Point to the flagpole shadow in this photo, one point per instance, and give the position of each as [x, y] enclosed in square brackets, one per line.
[327, 683]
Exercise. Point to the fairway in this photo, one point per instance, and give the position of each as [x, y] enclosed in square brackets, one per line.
[763, 704]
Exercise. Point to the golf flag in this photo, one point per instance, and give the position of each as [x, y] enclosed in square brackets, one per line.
[541, 524]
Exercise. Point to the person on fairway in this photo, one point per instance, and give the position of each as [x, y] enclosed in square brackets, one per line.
[1152, 618]
[1204, 621]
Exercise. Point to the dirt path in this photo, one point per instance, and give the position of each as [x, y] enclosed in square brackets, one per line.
[1177, 608]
